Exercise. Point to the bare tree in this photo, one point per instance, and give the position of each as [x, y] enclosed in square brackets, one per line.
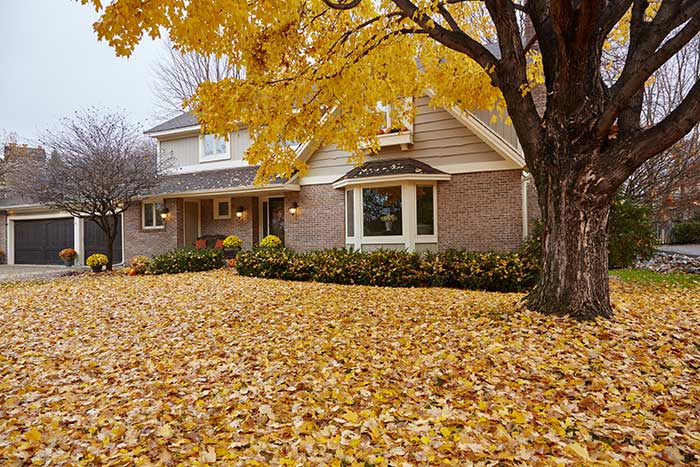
[177, 76]
[670, 183]
[99, 164]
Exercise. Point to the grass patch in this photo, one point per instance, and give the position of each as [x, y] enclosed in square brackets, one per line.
[646, 277]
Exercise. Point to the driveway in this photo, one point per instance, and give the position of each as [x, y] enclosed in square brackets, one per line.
[688, 250]
[22, 272]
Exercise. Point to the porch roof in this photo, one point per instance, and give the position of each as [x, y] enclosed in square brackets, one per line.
[393, 169]
[234, 179]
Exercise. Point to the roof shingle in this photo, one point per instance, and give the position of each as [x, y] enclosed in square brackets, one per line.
[381, 168]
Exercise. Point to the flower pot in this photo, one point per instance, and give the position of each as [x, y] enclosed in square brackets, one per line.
[96, 268]
[230, 253]
[68, 262]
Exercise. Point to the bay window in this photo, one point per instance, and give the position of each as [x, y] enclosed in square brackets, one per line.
[401, 214]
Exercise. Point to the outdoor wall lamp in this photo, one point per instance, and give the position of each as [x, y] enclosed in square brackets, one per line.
[293, 209]
[239, 212]
[164, 214]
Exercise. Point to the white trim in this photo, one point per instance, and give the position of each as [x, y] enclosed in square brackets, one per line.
[236, 191]
[174, 131]
[152, 201]
[208, 166]
[79, 238]
[525, 181]
[467, 167]
[390, 178]
[217, 202]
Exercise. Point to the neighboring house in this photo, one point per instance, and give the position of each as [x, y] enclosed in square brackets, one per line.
[453, 180]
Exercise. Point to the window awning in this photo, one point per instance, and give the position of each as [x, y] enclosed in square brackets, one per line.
[390, 170]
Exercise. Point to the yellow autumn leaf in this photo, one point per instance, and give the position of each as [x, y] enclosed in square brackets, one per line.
[33, 435]
[579, 450]
[165, 431]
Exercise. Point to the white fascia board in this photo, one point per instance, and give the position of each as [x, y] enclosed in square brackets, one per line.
[390, 178]
[174, 131]
[229, 191]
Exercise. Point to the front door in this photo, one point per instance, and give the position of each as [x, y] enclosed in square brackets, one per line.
[273, 217]
[191, 217]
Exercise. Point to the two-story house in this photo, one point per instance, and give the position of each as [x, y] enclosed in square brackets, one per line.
[452, 179]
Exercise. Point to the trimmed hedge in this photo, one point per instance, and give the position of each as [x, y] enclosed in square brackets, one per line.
[187, 260]
[687, 232]
[457, 269]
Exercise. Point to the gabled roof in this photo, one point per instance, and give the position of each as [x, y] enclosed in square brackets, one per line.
[404, 169]
[212, 180]
[184, 120]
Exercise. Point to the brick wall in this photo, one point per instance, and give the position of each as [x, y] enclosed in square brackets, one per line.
[481, 211]
[242, 228]
[320, 220]
[149, 242]
[3, 236]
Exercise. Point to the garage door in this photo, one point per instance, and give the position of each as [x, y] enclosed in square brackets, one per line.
[95, 240]
[39, 241]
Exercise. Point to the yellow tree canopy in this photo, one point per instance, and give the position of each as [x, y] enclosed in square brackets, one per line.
[312, 73]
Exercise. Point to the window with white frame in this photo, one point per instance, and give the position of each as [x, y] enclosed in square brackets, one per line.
[381, 211]
[151, 214]
[222, 208]
[213, 148]
[401, 212]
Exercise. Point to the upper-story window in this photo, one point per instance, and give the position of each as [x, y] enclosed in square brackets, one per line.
[213, 148]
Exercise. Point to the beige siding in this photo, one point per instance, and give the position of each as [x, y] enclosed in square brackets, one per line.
[184, 151]
[439, 140]
[500, 125]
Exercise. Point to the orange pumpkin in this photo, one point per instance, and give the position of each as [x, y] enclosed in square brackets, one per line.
[132, 272]
[232, 263]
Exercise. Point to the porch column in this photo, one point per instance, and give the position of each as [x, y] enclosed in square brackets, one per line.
[79, 238]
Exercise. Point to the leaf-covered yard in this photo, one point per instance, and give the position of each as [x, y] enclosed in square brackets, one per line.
[216, 369]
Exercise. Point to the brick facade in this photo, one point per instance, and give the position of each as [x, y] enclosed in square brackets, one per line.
[3, 237]
[533, 207]
[480, 211]
[243, 228]
[149, 242]
[476, 211]
[320, 220]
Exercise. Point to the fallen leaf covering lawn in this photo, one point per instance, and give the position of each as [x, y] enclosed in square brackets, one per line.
[215, 369]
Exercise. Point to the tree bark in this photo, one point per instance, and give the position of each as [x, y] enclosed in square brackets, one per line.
[110, 252]
[574, 279]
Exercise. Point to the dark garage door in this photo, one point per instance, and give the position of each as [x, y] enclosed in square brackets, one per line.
[95, 240]
[39, 241]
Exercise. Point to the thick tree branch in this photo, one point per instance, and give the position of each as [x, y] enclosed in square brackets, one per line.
[628, 86]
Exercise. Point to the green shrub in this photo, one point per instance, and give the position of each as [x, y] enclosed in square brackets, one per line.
[687, 232]
[187, 260]
[233, 241]
[630, 234]
[140, 264]
[271, 241]
[389, 268]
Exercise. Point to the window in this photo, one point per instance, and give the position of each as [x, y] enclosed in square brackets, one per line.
[213, 148]
[151, 212]
[425, 210]
[350, 212]
[387, 115]
[381, 211]
[222, 208]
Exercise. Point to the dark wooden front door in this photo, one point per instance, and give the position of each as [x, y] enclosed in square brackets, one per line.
[95, 240]
[39, 241]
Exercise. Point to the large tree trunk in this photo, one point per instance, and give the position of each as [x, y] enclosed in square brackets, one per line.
[574, 279]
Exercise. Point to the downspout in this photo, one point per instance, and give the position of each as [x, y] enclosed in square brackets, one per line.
[525, 180]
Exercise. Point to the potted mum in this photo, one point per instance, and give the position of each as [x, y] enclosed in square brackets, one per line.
[232, 245]
[68, 256]
[271, 241]
[97, 262]
[388, 220]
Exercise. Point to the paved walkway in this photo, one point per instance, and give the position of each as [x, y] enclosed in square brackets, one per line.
[17, 272]
[688, 250]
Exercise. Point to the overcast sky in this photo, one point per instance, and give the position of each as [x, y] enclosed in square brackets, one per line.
[52, 64]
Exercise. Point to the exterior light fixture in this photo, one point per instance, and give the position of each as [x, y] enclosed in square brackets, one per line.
[293, 209]
[164, 213]
[239, 212]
